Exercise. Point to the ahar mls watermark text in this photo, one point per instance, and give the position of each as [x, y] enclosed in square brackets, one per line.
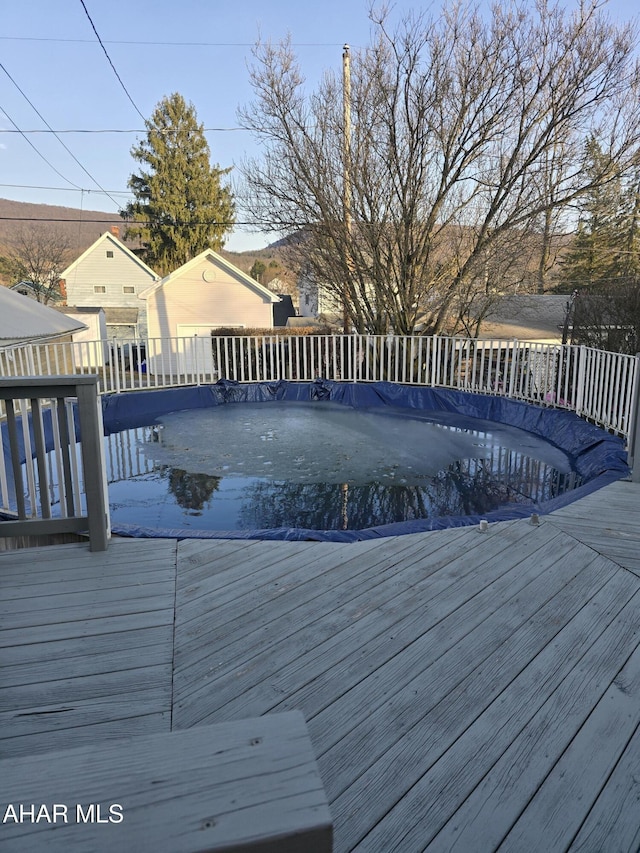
[61, 813]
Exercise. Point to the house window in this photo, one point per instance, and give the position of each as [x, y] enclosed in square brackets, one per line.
[109, 253]
[99, 288]
[128, 289]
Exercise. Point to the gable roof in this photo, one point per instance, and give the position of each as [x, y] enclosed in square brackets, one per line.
[217, 259]
[23, 319]
[23, 285]
[107, 237]
[528, 316]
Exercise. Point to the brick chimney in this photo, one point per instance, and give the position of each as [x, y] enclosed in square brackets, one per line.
[62, 286]
[115, 230]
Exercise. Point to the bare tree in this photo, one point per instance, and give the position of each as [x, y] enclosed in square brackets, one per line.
[39, 253]
[455, 119]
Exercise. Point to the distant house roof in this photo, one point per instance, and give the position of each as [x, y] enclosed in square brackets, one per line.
[526, 317]
[23, 320]
[215, 258]
[77, 309]
[121, 316]
[107, 237]
[28, 288]
[305, 323]
[25, 287]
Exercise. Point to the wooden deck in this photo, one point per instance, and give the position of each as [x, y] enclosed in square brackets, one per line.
[464, 691]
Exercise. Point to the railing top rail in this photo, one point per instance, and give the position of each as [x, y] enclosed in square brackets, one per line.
[9, 389]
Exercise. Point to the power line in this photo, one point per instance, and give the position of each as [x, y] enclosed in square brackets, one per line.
[162, 43]
[111, 63]
[117, 130]
[64, 189]
[128, 193]
[132, 222]
[39, 153]
[68, 150]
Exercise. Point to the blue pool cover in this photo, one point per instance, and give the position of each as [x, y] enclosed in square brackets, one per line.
[598, 457]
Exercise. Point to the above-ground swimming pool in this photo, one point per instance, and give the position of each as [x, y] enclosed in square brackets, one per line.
[340, 461]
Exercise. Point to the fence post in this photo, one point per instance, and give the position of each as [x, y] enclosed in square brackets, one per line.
[582, 372]
[634, 426]
[31, 360]
[515, 353]
[115, 359]
[93, 465]
[354, 349]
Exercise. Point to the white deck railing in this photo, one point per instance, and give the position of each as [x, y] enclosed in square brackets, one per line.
[597, 385]
[50, 482]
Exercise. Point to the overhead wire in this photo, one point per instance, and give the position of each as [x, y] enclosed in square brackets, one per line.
[162, 43]
[64, 189]
[159, 130]
[178, 224]
[64, 145]
[39, 153]
[126, 91]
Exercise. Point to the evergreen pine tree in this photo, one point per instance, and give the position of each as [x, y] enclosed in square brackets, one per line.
[594, 258]
[630, 229]
[180, 202]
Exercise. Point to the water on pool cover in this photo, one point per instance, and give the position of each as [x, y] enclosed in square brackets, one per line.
[323, 466]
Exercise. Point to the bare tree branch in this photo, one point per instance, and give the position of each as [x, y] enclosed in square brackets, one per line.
[467, 134]
[39, 254]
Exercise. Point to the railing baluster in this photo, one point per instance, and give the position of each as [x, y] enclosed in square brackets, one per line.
[38, 436]
[12, 428]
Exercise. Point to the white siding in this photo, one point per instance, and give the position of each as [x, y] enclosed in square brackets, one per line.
[189, 300]
[89, 345]
[114, 274]
[195, 302]
[315, 300]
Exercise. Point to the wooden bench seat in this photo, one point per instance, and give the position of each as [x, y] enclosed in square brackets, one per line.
[246, 785]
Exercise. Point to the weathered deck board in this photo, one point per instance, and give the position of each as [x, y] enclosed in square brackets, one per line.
[245, 785]
[463, 690]
[502, 795]
[422, 635]
[562, 802]
[87, 644]
[308, 663]
[608, 824]
[423, 719]
[608, 521]
[519, 735]
[30, 663]
[306, 594]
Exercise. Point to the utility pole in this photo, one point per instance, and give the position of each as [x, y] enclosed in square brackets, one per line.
[346, 168]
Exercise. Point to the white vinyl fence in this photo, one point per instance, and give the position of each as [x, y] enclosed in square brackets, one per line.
[602, 387]
[597, 385]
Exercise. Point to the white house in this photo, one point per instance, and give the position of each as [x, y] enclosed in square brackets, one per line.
[108, 275]
[315, 300]
[25, 288]
[206, 293]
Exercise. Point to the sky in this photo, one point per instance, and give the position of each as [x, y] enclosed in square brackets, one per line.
[55, 74]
